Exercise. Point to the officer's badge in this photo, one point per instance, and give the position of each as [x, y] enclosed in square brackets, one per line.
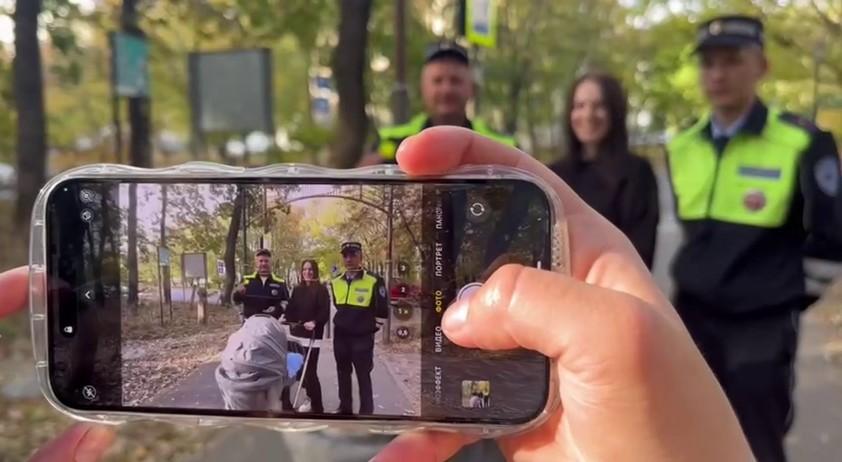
[826, 173]
[754, 200]
[360, 299]
[382, 291]
[715, 28]
[274, 291]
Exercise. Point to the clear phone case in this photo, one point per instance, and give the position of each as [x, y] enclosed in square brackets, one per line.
[209, 170]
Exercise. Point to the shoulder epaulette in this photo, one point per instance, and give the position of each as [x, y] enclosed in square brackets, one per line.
[799, 121]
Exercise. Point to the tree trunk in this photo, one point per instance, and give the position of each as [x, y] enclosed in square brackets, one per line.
[231, 247]
[131, 260]
[140, 152]
[167, 284]
[530, 122]
[515, 87]
[29, 102]
[349, 63]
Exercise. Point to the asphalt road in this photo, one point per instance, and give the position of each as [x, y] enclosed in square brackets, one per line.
[199, 390]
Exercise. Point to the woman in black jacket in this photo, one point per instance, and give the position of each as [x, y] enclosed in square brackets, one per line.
[308, 311]
[599, 165]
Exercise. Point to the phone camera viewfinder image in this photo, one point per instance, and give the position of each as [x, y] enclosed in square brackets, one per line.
[312, 299]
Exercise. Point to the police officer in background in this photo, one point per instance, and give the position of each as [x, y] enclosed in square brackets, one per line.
[262, 291]
[359, 297]
[748, 200]
[447, 85]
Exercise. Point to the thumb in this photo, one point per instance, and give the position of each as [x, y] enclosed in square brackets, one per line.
[550, 313]
[422, 446]
[15, 290]
[80, 443]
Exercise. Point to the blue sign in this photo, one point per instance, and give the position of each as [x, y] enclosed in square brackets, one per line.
[130, 55]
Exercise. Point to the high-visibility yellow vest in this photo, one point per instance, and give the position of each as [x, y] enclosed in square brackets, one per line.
[391, 137]
[357, 294]
[752, 182]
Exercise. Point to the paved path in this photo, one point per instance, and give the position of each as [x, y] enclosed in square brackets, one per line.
[817, 431]
[199, 389]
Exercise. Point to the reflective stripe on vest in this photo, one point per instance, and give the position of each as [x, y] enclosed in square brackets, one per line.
[252, 276]
[751, 183]
[391, 137]
[357, 294]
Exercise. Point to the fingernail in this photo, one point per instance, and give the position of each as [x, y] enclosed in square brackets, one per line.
[455, 317]
[95, 442]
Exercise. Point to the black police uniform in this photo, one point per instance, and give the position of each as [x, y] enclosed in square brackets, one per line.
[359, 298]
[262, 296]
[747, 205]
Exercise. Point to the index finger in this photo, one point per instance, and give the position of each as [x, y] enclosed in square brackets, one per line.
[14, 285]
[438, 150]
[599, 253]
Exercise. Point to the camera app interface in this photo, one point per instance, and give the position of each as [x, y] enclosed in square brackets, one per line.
[313, 299]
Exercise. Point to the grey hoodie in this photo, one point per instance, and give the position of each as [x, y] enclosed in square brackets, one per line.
[253, 367]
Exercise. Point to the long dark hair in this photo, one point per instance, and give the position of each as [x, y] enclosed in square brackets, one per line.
[616, 142]
[315, 267]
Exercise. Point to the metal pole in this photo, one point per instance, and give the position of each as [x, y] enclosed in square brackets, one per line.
[160, 288]
[478, 79]
[246, 152]
[400, 95]
[115, 103]
[818, 56]
[389, 250]
[265, 219]
[245, 229]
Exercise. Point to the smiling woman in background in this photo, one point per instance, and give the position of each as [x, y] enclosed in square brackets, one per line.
[599, 165]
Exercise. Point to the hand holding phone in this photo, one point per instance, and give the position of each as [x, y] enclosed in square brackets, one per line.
[628, 367]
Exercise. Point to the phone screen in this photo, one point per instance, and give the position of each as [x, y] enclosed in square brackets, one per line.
[269, 297]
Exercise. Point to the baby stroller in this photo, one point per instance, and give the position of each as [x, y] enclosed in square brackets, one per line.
[255, 366]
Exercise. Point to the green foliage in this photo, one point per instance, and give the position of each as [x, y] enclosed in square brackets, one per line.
[543, 46]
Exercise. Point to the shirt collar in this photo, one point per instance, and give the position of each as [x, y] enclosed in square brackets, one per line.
[353, 275]
[718, 131]
[753, 122]
[467, 124]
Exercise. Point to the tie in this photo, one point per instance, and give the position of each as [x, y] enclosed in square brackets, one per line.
[720, 142]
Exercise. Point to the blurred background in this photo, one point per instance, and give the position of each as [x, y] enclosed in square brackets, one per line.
[251, 82]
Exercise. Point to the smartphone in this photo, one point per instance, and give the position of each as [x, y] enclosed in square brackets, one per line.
[143, 272]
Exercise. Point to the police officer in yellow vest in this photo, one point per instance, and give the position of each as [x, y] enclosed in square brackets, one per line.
[447, 85]
[359, 297]
[746, 196]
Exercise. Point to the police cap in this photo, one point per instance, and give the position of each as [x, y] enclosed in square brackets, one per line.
[733, 31]
[446, 50]
[350, 247]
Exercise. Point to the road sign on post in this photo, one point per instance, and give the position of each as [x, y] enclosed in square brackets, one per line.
[164, 257]
[481, 22]
[131, 70]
